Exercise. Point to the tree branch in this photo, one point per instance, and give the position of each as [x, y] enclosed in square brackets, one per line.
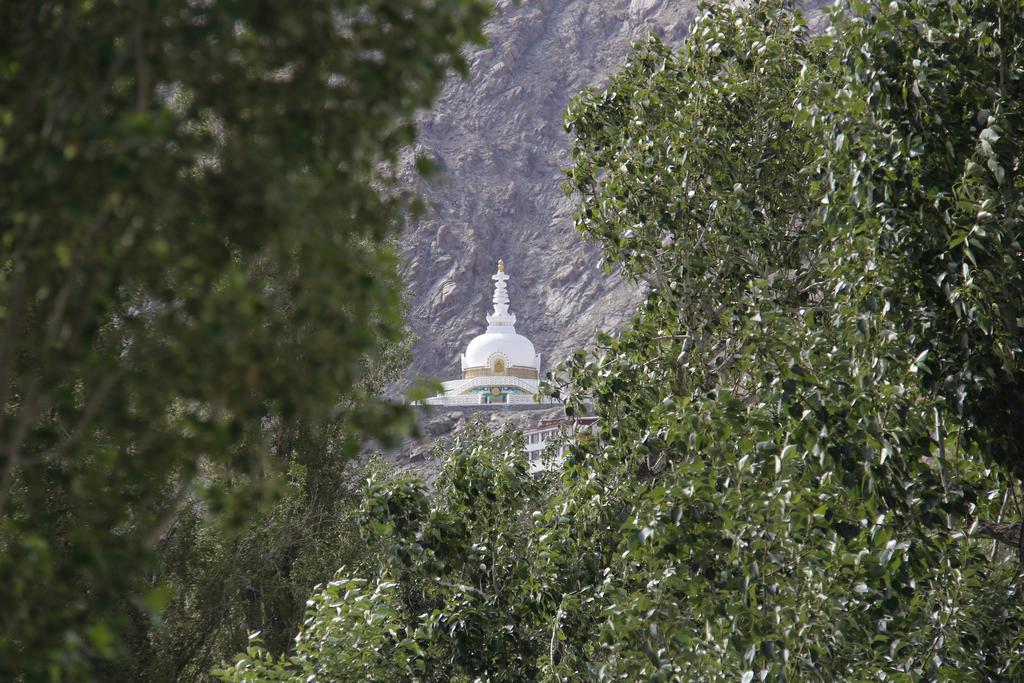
[1007, 534]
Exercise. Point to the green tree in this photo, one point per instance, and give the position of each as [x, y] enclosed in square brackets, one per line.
[444, 601]
[194, 257]
[796, 502]
[798, 476]
[226, 582]
[808, 464]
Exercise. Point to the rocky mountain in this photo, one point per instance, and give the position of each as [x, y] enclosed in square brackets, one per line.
[500, 141]
[501, 144]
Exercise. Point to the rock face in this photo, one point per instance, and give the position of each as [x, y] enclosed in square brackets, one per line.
[500, 141]
[501, 145]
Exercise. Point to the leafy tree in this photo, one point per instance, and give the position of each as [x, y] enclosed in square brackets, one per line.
[796, 470]
[808, 464]
[225, 582]
[445, 601]
[194, 259]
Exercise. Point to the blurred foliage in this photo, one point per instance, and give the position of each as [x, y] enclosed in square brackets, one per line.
[225, 582]
[809, 460]
[196, 279]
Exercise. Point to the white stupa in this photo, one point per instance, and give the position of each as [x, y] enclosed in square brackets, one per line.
[499, 366]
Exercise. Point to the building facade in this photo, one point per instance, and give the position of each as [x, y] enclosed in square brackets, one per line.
[546, 443]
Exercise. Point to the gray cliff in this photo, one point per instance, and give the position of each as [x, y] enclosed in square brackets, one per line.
[501, 143]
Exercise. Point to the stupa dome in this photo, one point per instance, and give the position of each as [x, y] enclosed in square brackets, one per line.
[501, 350]
[488, 348]
[499, 366]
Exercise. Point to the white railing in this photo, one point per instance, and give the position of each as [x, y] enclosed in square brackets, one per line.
[520, 399]
[456, 392]
[461, 386]
[475, 400]
[460, 400]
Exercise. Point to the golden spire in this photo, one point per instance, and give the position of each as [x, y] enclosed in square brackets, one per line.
[501, 265]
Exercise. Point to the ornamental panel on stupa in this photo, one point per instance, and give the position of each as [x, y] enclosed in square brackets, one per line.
[499, 366]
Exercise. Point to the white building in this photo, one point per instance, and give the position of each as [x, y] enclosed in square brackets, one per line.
[499, 366]
[549, 432]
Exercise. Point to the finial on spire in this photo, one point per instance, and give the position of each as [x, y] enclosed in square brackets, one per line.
[502, 319]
